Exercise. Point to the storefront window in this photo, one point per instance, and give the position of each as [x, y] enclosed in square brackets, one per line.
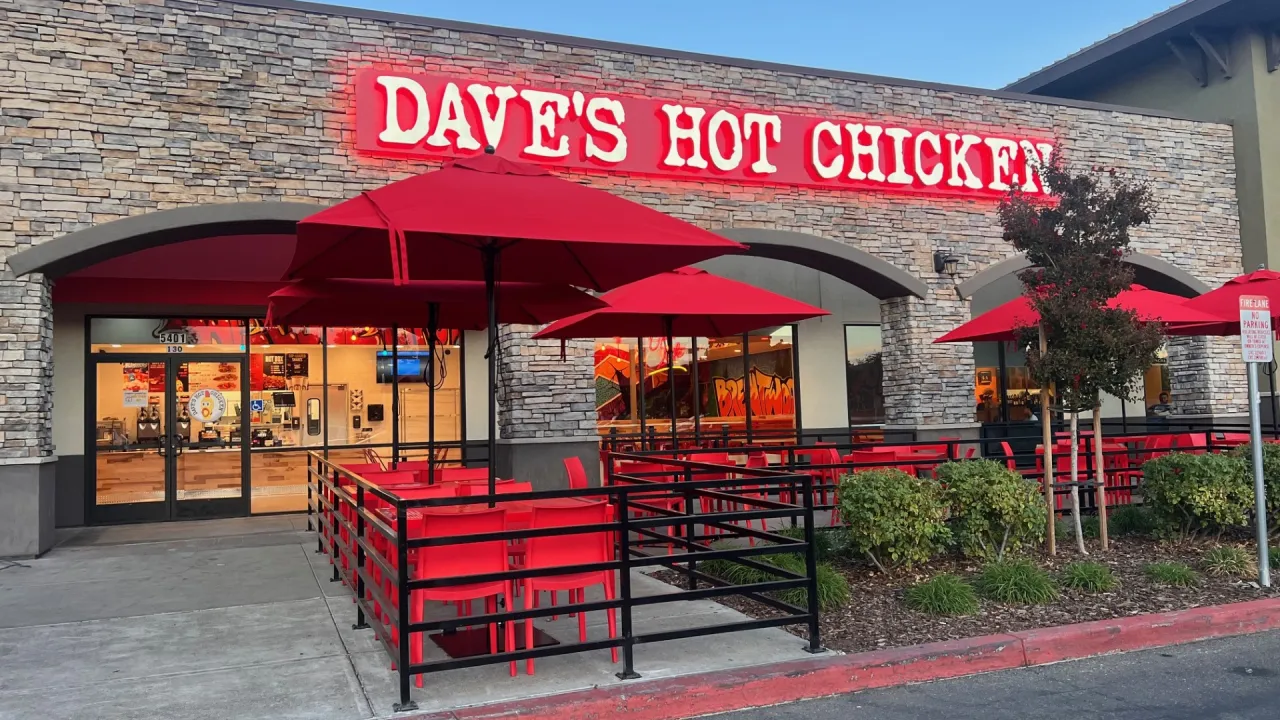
[721, 391]
[360, 386]
[286, 410]
[773, 384]
[617, 392]
[864, 374]
[417, 369]
[1156, 387]
[166, 335]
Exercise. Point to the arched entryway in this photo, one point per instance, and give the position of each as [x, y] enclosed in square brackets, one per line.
[143, 305]
[1003, 391]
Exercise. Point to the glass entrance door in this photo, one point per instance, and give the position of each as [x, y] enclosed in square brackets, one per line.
[167, 438]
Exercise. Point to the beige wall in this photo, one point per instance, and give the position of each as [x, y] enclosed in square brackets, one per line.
[1250, 101]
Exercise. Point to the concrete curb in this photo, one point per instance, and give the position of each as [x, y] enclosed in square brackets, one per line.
[692, 695]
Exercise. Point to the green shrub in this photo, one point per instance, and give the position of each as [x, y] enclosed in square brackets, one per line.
[1087, 576]
[1193, 494]
[1273, 557]
[1270, 472]
[993, 509]
[896, 520]
[1131, 521]
[942, 595]
[1171, 573]
[1229, 561]
[833, 588]
[1090, 527]
[1016, 581]
[826, 541]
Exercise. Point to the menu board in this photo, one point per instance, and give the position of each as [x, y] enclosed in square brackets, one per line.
[273, 372]
[298, 365]
[224, 377]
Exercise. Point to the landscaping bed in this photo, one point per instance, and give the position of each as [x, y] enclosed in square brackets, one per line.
[877, 617]
[926, 560]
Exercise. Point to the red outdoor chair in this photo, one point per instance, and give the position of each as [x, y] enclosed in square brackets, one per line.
[577, 473]
[460, 560]
[561, 550]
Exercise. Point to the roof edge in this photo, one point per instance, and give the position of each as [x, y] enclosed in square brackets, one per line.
[574, 41]
[1116, 42]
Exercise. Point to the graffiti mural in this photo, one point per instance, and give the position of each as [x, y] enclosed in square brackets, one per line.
[770, 395]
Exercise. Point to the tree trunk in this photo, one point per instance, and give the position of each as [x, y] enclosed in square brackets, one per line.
[1046, 424]
[1075, 478]
[1100, 477]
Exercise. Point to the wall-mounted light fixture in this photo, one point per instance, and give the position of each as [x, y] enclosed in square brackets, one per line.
[946, 262]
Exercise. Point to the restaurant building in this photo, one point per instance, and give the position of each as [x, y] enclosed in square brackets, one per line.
[157, 156]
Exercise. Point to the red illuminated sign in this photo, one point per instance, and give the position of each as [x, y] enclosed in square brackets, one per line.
[424, 116]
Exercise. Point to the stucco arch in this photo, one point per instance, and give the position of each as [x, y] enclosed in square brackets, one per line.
[1149, 270]
[878, 277]
[83, 248]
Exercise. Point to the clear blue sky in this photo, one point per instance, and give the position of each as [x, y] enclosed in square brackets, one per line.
[983, 43]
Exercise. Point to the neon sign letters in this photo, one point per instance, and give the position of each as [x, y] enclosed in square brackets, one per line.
[425, 116]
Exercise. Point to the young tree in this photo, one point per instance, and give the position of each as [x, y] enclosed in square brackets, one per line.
[1076, 247]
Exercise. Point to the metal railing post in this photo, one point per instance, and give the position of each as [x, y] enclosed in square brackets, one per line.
[310, 459]
[361, 624]
[403, 595]
[335, 556]
[624, 587]
[692, 565]
[811, 566]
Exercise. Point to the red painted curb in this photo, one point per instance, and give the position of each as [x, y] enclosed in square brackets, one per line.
[1069, 642]
[693, 695]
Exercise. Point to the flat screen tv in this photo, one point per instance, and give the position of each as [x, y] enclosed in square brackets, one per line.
[411, 366]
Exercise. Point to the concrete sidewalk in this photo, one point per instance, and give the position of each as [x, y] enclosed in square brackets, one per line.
[237, 619]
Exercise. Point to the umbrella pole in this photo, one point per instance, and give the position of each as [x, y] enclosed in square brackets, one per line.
[695, 393]
[671, 384]
[433, 318]
[491, 297]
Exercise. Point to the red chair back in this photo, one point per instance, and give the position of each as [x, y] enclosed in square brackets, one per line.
[1195, 443]
[1008, 455]
[481, 487]
[888, 458]
[463, 474]
[757, 460]
[554, 550]
[467, 558]
[577, 473]
[361, 468]
[509, 488]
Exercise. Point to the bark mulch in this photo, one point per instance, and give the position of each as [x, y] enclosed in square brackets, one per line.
[876, 616]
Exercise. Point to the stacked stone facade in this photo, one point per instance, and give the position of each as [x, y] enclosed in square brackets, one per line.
[112, 108]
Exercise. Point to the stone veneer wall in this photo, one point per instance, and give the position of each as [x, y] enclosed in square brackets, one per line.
[110, 108]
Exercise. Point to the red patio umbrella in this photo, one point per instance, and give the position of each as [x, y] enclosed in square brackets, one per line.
[1224, 302]
[454, 304]
[459, 304]
[491, 219]
[1001, 322]
[685, 301]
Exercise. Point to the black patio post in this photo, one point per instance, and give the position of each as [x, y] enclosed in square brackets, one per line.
[433, 319]
[639, 378]
[395, 397]
[491, 297]
[696, 393]
[668, 321]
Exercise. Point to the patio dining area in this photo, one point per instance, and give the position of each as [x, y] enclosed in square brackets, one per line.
[238, 618]
[515, 585]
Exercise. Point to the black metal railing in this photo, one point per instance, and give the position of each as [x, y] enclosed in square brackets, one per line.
[660, 517]
[1122, 454]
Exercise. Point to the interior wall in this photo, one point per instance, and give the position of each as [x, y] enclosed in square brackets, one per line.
[824, 399]
[477, 390]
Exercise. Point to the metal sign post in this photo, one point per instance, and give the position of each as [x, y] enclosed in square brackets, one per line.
[1256, 344]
